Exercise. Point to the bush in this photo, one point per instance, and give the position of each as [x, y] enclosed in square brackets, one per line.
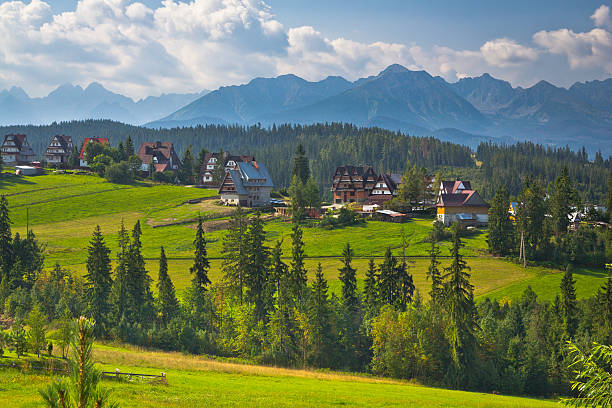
[120, 173]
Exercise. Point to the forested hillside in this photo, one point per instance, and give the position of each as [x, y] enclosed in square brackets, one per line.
[335, 144]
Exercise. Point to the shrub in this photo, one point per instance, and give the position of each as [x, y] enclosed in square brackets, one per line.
[120, 173]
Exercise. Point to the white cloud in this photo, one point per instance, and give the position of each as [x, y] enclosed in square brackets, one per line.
[591, 49]
[504, 52]
[601, 17]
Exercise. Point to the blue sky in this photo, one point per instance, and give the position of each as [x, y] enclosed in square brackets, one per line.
[149, 47]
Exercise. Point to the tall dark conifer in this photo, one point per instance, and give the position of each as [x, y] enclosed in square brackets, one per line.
[348, 279]
[99, 281]
[119, 292]
[500, 236]
[129, 147]
[319, 315]
[6, 239]
[297, 272]
[140, 304]
[433, 273]
[370, 290]
[300, 165]
[387, 279]
[200, 267]
[561, 201]
[569, 305]
[235, 254]
[167, 304]
[257, 268]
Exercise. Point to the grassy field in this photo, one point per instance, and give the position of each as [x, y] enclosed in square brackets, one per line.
[201, 382]
[64, 209]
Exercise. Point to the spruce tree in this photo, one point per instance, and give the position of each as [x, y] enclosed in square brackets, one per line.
[387, 279]
[279, 271]
[186, 170]
[500, 236]
[569, 306]
[348, 279]
[370, 290]
[119, 293]
[433, 273]
[168, 305]
[300, 165]
[298, 199]
[256, 273]
[297, 272]
[37, 338]
[319, 315]
[460, 308]
[6, 239]
[129, 147]
[405, 286]
[234, 253]
[562, 199]
[73, 160]
[609, 197]
[530, 217]
[200, 267]
[312, 195]
[140, 299]
[99, 280]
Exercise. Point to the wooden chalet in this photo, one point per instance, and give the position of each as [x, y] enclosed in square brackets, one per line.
[248, 185]
[385, 188]
[16, 150]
[59, 150]
[212, 160]
[82, 157]
[457, 201]
[353, 184]
[161, 154]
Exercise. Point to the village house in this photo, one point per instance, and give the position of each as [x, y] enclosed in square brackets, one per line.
[212, 160]
[59, 150]
[232, 161]
[16, 150]
[353, 184]
[82, 159]
[161, 154]
[385, 188]
[458, 202]
[248, 185]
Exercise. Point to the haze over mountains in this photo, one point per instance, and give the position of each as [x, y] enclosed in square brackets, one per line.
[468, 111]
[69, 102]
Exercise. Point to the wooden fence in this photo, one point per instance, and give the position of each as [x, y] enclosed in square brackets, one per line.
[144, 378]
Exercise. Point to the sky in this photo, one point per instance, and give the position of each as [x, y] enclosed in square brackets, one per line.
[149, 47]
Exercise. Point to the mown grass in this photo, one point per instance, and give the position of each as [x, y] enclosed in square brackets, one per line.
[198, 382]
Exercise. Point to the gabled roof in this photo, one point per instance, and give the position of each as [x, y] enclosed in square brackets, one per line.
[64, 141]
[18, 139]
[450, 187]
[254, 171]
[467, 198]
[160, 150]
[101, 140]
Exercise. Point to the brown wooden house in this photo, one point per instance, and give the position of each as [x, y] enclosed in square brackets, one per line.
[16, 150]
[59, 150]
[353, 184]
[385, 188]
[160, 154]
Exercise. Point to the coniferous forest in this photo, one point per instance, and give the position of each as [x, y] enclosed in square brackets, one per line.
[335, 144]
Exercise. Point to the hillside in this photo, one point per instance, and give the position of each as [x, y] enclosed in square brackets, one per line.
[198, 381]
[61, 216]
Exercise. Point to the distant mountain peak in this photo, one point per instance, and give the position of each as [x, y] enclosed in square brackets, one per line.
[395, 69]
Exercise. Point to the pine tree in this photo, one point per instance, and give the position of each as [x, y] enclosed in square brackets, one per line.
[140, 299]
[234, 253]
[297, 272]
[562, 199]
[168, 305]
[500, 234]
[198, 165]
[129, 147]
[387, 279]
[460, 308]
[433, 273]
[319, 315]
[609, 197]
[186, 171]
[312, 196]
[405, 285]
[200, 267]
[279, 271]
[6, 239]
[348, 279]
[370, 290]
[37, 339]
[300, 165]
[530, 217]
[73, 160]
[298, 199]
[64, 332]
[99, 280]
[569, 306]
[119, 293]
[256, 273]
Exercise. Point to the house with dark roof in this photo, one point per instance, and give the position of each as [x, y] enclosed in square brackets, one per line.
[457, 201]
[213, 159]
[248, 185]
[161, 154]
[353, 184]
[82, 157]
[16, 150]
[385, 188]
[59, 150]
[231, 161]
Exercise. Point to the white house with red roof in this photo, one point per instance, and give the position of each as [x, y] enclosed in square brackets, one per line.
[82, 157]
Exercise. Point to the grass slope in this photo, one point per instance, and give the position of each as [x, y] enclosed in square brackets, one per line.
[198, 382]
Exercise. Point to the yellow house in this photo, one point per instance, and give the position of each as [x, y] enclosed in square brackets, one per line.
[458, 202]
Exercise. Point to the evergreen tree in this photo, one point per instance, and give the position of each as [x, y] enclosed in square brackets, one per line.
[256, 272]
[312, 196]
[297, 272]
[562, 199]
[319, 315]
[73, 160]
[198, 165]
[609, 197]
[433, 273]
[37, 338]
[186, 170]
[200, 267]
[168, 305]
[500, 237]
[460, 308]
[140, 299]
[6, 239]
[129, 147]
[530, 217]
[387, 279]
[64, 332]
[119, 293]
[235, 254]
[406, 285]
[99, 280]
[298, 199]
[348, 279]
[604, 301]
[569, 306]
[370, 290]
[300, 165]
[19, 339]
[279, 271]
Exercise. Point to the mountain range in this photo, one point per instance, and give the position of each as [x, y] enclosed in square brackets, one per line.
[70, 102]
[468, 111]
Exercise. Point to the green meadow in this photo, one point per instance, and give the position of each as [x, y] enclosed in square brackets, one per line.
[63, 209]
[196, 381]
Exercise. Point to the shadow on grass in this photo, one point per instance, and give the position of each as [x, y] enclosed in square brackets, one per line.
[11, 180]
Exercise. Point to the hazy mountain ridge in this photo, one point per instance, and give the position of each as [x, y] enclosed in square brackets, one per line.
[69, 102]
